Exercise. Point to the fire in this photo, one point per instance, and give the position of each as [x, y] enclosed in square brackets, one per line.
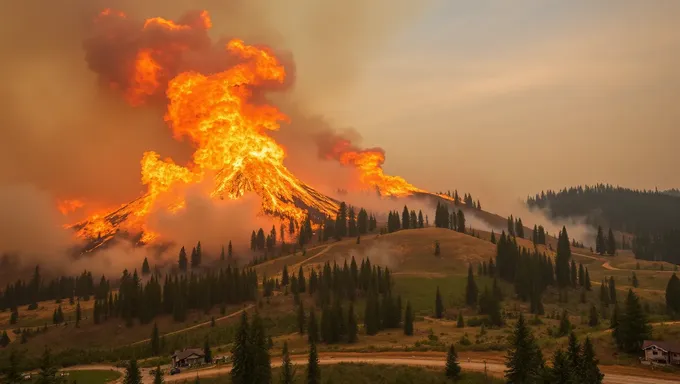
[216, 113]
[68, 206]
[145, 82]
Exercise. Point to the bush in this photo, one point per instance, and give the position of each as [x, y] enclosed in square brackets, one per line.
[464, 340]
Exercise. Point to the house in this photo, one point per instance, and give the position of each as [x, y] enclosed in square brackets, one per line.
[662, 352]
[187, 357]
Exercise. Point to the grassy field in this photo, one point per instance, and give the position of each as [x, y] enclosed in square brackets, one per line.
[90, 377]
[347, 373]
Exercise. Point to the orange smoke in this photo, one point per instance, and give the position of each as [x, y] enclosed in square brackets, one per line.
[68, 206]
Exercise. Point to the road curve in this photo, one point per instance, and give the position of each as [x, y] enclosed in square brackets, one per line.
[494, 368]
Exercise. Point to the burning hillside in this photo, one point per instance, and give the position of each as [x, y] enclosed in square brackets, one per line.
[220, 112]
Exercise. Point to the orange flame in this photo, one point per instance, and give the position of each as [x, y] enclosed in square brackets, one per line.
[369, 163]
[145, 82]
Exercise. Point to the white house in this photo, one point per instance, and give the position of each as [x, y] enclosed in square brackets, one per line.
[663, 352]
[187, 357]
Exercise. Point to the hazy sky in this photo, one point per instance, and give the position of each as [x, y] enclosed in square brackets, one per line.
[506, 98]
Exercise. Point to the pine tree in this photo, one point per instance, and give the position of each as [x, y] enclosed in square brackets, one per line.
[573, 274]
[673, 295]
[561, 371]
[460, 322]
[612, 290]
[599, 241]
[352, 327]
[259, 351]
[604, 294]
[313, 369]
[4, 339]
[590, 372]
[574, 352]
[438, 305]
[183, 259]
[408, 320]
[287, 370]
[452, 369]
[632, 327]
[242, 367]
[48, 371]
[12, 373]
[158, 375]
[132, 373]
[312, 328]
[301, 318]
[524, 360]
[565, 324]
[588, 284]
[405, 218]
[471, 290]
[207, 353]
[611, 243]
[493, 237]
[155, 341]
[284, 276]
[421, 222]
[78, 314]
[635, 281]
[562, 259]
[594, 317]
[146, 270]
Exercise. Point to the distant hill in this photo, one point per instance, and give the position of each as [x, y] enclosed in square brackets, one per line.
[622, 209]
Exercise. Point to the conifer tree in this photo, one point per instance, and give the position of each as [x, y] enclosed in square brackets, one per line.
[460, 221]
[574, 352]
[493, 237]
[604, 294]
[588, 284]
[673, 295]
[183, 259]
[561, 371]
[284, 276]
[155, 341]
[48, 371]
[287, 370]
[612, 289]
[242, 368]
[158, 375]
[405, 218]
[460, 322]
[4, 339]
[632, 327]
[78, 314]
[594, 317]
[471, 290]
[634, 281]
[207, 353]
[562, 259]
[421, 222]
[146, 270]
[259, 352]
[301, 318]
[313, 369]
[352, 327]
[524, 361]
[589, 371]
[132, 373]
[312, 328]
[565, 324]
[573, 275]
[408, 320]
[438, 306]
[452, 369]
[12, 373]
[581, 275]
[611, 243]
[599, 241]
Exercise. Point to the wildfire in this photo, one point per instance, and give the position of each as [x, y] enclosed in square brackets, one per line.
[216, 114]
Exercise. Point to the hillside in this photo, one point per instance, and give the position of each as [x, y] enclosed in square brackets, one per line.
[622, 209]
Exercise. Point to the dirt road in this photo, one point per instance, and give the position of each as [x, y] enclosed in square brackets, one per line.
[494, 368]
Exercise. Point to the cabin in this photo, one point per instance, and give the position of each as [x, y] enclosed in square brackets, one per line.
[661, 352]
[188, 357]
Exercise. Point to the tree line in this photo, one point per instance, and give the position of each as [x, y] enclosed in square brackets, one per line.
[454, 220]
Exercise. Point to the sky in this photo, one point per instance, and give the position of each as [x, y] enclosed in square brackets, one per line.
[507, 98]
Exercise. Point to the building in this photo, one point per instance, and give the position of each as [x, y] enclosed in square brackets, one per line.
[661, 352]
[188, 357]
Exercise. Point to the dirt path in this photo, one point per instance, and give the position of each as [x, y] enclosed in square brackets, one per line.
[493, 367]
[199, 325]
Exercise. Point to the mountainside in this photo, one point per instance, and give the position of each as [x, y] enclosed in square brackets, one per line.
[622, 209]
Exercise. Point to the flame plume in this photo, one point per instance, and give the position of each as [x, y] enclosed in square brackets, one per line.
[215, 112]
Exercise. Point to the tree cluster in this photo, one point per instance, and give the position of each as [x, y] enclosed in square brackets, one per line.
[630, 326]
[37, 289]
[454, 220]
[605, 244]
